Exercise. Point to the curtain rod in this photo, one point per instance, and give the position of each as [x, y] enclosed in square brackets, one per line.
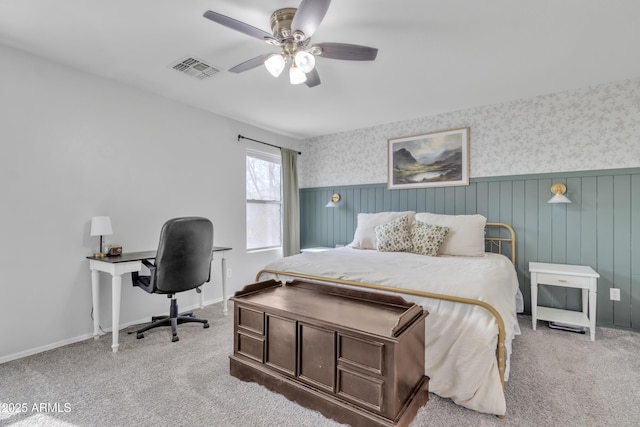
[261, 142]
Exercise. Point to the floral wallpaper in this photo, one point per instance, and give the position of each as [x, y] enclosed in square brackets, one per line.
[586, 129]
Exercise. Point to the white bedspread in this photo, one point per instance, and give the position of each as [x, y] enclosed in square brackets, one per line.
[460, 339]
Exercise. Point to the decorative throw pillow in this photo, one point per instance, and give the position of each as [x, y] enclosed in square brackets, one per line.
[394, 236]
[365, 235]
[427, 238]
[466, 237]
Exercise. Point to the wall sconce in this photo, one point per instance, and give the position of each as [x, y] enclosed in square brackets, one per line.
[101, 226]
[333, 201]
[559, 191]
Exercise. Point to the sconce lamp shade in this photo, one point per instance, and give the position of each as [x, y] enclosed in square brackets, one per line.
[333, 201]
[101, 226]
[559, 191]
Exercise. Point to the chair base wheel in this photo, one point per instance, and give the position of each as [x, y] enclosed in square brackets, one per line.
[174, 319]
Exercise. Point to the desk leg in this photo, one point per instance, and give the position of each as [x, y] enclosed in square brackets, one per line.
[224, 285]
[593, 297]
[201, 290]
[95, 285]
[116, 290]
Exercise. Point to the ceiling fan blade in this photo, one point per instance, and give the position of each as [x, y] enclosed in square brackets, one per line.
[309, 15]
[250, 63]
[234, 24]
[313, 78]
[348, 52]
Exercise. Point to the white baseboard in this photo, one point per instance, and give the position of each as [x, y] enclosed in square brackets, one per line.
[83, 337]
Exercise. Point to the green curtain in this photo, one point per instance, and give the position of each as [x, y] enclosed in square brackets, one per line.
[290, 203]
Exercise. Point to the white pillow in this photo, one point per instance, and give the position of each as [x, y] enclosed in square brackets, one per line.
[365, 234]
[466, 235]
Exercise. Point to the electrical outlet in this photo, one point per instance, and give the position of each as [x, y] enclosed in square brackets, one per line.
[229, 272]
[614, 294]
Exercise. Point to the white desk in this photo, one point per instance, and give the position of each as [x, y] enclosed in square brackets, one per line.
[116, 266]
[568, 276]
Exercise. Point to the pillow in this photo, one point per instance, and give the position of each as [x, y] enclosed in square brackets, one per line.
[426, 239]
[394, 236]
[466, 236]
[365, 234]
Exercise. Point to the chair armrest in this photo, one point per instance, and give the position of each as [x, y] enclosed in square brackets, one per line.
[146, 283]
[149, 265]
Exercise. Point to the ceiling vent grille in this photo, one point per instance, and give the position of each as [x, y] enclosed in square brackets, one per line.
[195, 68]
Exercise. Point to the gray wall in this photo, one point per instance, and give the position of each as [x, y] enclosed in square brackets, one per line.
[73, 146]
[601, 228]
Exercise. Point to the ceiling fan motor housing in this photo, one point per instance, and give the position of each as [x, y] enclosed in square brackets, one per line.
[291, 43]
[281, 22]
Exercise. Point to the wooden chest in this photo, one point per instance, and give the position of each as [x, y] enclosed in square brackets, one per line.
[355, 356]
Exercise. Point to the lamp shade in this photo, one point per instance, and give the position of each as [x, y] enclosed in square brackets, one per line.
[559, 190]
[101, 226]
[559, 198]
[275, 64]
[333, 201]
[305, 61]
[296, 76]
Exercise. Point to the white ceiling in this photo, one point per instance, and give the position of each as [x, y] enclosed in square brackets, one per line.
[434, 55]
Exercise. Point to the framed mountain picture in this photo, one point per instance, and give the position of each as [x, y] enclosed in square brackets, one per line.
[436, 159]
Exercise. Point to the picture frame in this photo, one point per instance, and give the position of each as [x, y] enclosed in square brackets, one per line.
[435, 159]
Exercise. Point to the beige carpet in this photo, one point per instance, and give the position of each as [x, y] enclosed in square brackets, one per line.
[557, 379]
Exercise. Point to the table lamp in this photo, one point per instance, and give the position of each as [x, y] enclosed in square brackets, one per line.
[101, 226]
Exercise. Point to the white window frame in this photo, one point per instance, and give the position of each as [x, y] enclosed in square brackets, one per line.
[274, 158]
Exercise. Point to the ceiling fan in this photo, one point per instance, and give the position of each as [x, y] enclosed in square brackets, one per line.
[292, 30]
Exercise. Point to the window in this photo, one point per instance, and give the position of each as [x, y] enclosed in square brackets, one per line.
[264, 201]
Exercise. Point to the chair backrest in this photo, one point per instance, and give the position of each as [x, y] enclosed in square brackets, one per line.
[183, 260]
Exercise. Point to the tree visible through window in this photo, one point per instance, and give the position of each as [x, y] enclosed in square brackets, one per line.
[264, 201]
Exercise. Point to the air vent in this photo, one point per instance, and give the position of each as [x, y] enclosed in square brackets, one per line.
[195, 67]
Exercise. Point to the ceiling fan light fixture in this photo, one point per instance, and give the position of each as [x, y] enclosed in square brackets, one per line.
[275, 64]
[299, 36]
[315, 50]
[296, 75]
[305, 61]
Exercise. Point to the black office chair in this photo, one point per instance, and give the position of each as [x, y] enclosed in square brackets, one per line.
[183, 262]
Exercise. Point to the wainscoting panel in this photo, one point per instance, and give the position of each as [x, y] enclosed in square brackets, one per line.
[600, 228]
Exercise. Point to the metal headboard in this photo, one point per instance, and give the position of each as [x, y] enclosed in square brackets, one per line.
[500, 244]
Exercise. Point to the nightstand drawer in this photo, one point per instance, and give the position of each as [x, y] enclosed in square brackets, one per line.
[564, 280]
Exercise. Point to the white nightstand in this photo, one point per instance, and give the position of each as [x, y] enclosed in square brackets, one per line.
[318, 249]
[569, 276]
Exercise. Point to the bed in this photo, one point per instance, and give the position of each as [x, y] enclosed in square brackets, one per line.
[471, 294]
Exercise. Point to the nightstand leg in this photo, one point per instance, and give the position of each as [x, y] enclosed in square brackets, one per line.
[534, 303]
[593, 296]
